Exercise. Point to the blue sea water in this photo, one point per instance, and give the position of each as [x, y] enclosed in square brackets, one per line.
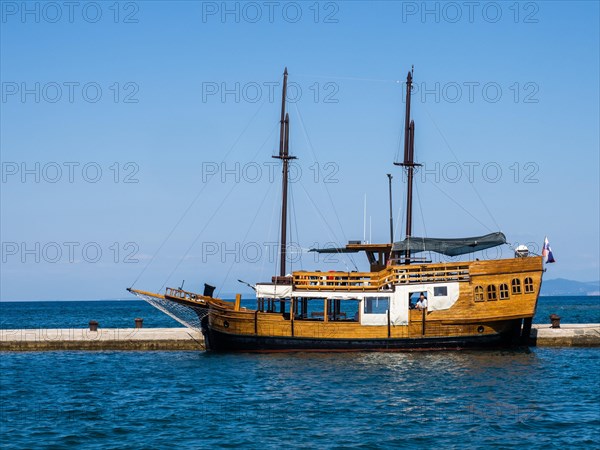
[121, 313]
[543, 398]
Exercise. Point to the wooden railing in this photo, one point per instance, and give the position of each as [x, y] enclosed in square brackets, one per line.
[384, 279]
[184, 295]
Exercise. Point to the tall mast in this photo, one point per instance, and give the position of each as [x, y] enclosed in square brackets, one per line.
[407, 116]
[410, 167]
[285, 158]
[409, 162]
[284, 150]
[281, 122]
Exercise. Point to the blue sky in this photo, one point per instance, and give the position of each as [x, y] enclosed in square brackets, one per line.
[114, 117]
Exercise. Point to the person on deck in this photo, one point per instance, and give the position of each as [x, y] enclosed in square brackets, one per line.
[422, 303]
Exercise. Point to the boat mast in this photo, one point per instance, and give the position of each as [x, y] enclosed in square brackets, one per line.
[284, 138]
[408, 163]
[410, 167]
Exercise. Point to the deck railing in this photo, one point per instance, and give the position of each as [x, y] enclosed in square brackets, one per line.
[384, 279]
[184, 295]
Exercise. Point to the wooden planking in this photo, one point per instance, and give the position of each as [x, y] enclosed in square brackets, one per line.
[273, 324]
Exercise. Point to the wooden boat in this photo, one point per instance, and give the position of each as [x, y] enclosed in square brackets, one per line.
[471, 304]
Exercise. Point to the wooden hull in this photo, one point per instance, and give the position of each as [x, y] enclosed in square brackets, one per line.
[494, 304]
[225, 342]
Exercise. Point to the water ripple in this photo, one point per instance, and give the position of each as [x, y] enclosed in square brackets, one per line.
[365, 400]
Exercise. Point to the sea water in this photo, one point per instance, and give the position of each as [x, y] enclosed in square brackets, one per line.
[543, 397]
[122, 313]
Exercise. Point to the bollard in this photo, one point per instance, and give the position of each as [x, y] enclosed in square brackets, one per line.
[555, 319]
[93, 325]
[139, 323]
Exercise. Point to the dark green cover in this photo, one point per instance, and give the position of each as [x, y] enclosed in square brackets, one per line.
[450, 246]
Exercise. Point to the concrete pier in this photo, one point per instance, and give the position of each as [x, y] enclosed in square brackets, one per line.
[103, 339]
[568, 335]
[574, 335]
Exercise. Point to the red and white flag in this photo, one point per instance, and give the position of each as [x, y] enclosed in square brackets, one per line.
[547, 252]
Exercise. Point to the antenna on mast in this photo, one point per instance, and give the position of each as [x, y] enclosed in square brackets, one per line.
[365, 220]
[389, 175]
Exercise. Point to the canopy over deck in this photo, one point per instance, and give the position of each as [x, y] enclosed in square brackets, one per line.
[445, 246]
[450, 246]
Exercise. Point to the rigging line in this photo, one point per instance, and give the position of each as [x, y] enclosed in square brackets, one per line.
[297, 231]
[331, 232]
[310, 146]
[422, 216]
[198, 236]
[420, 209]
[400, 218]
[246, 235]
[461, 167]
[295, 222]
[462, 207]
[213, 215]
[275, 203]
[400, 141]
[399, 145]
[379, 80]
[290, 230]
[195, 198]
[279, 223]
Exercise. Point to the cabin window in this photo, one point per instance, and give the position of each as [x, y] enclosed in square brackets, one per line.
[343, 310]
[528, 285]
[309, 309]
[440, 291]
[491, 293]
[516, 286]
[504, 295]
[478, 293]
[284, 308]
[413, 298]
[376, 305]
[269, 305]
[275, 305]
